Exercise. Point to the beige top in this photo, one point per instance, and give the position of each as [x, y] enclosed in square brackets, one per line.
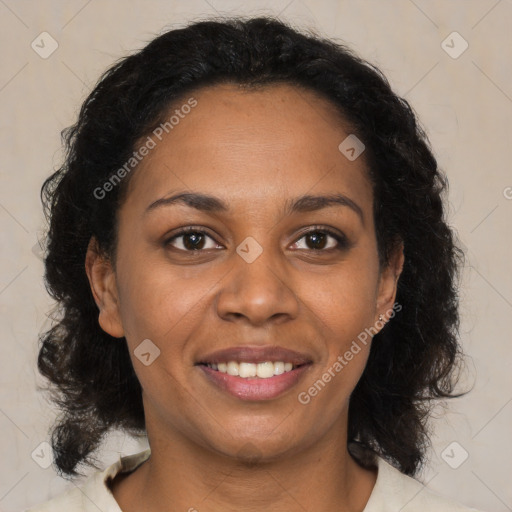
[393, 492]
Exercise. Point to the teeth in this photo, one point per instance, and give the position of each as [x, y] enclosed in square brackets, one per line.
[247, 370]
[278, 368]
[233, 368]
[263, 370]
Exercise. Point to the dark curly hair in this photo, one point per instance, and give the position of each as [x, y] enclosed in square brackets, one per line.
[413, 360]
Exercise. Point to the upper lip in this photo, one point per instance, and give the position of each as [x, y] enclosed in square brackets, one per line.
[248, 354]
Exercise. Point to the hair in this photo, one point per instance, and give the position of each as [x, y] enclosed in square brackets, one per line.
[412, 361]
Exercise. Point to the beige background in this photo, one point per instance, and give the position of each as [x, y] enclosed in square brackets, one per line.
[465, 103]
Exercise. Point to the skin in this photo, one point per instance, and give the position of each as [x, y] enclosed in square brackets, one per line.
[256, 150]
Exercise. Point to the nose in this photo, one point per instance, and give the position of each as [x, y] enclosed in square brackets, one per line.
[258, 292]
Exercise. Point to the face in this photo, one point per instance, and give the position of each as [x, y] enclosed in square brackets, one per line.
[265, 275]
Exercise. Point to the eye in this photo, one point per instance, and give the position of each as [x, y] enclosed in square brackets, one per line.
[318, 238]
[193, 240]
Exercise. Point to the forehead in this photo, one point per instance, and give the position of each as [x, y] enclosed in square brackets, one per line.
[251, 147]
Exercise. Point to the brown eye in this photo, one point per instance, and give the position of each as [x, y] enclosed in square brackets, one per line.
[318, 240]
[192, 240]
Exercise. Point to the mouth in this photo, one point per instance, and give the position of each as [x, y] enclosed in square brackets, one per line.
[254, 373]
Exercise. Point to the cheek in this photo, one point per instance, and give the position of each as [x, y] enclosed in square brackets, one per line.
[346, 342]
[149, 300]
[345, 299]
[344, 305]
[162, 304]
[344, 309]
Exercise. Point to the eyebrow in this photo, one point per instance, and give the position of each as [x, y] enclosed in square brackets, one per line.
[305, 203]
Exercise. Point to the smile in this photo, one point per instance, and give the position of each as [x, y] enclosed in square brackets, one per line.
[253, 387]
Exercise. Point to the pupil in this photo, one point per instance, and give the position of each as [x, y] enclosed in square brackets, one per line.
[316, 237]
[193, 245]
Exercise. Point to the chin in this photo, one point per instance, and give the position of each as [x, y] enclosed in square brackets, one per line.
[253, 451]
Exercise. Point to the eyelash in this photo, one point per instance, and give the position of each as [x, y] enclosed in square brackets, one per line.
[342, 241]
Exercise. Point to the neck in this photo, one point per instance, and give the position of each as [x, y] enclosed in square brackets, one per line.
[181, 475]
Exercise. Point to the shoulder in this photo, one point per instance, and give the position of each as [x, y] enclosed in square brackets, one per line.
[70, 500]
[94, 494]
[395, 491]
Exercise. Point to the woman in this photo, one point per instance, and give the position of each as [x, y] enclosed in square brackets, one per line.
[248, 244]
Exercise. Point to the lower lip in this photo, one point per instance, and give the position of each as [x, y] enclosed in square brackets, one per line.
[255, 389]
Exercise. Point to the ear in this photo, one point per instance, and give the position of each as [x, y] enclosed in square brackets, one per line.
[388, 282]
[102, 280]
